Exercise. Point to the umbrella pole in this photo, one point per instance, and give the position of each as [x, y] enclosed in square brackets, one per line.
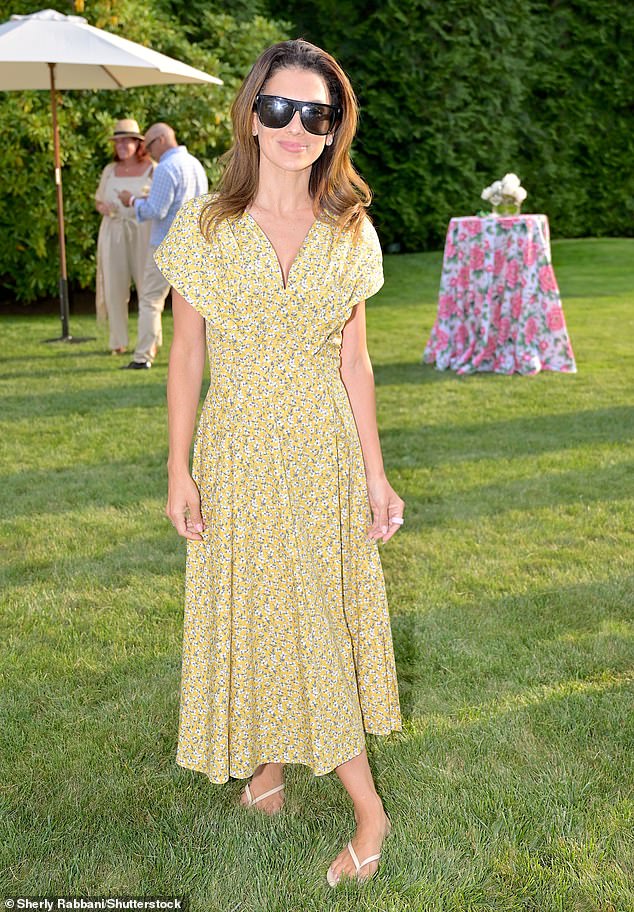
[63, 274]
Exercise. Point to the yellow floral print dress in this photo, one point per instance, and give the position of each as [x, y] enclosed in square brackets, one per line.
[287, 647]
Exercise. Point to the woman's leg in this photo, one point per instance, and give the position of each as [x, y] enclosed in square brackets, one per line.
[116, 279]
[372, 822]
[139, 248]
[266, 777]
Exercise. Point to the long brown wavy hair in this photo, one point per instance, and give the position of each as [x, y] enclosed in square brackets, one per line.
[338, 192]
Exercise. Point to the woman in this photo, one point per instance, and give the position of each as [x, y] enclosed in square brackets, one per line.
[288, 655]
[123, 242]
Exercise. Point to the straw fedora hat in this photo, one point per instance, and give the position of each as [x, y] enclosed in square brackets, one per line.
[126, 127]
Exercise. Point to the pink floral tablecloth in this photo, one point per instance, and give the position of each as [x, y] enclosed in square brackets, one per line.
[499, 307]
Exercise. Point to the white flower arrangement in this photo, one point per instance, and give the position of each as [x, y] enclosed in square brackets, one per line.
[507, 193]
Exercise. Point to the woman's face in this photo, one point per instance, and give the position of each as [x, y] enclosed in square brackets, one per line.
[292, 148]
[125, 147]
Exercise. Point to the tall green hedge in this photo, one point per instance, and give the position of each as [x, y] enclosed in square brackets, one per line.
[455, 93]
[214, 41]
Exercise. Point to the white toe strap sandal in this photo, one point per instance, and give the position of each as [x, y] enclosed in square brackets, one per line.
[333, 881]
[251, 800]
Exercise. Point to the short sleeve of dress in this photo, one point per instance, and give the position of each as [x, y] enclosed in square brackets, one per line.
[187, 259]
[368, 263]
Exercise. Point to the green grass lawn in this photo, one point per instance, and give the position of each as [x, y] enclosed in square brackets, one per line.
[511, 590]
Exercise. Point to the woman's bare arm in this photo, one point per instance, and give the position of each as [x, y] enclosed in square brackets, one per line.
[101, 206]
[184, 380]
[358, 379]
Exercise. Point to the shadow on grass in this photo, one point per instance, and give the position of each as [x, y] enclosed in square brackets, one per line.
[523, 495]
[399, 374]
[55, 354]
[135, 556]
[117, 484]
[466, 658]
[111, 366]
[88, 402]
[526, 435]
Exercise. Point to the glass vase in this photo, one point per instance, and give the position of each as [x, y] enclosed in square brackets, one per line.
[507, 209]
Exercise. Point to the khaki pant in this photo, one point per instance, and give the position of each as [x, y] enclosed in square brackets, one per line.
[151, 303]
[121, 257]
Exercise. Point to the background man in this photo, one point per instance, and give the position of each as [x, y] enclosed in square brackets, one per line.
[177, 178]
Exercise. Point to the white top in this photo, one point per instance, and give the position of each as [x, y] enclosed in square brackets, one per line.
[111, 185]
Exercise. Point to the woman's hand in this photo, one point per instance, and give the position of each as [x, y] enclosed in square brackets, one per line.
[183, 507]
[104, 208]
[386, 506]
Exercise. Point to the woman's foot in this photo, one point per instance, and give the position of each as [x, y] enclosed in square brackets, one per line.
[373, 826]
[266, 776]
[118, 351]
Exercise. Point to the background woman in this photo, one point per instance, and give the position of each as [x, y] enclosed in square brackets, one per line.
[122, 243]
[287, 650]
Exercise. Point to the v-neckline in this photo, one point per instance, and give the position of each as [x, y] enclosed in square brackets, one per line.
[286, 283]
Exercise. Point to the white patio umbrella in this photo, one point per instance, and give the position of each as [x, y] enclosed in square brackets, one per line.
[48, 50]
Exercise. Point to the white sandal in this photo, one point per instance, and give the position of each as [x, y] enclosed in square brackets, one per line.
[358, 865]
[251, 800]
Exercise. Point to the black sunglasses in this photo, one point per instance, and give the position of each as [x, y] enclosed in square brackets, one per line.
[275, 111]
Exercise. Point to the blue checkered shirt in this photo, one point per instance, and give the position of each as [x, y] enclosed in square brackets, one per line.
[177, 178]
